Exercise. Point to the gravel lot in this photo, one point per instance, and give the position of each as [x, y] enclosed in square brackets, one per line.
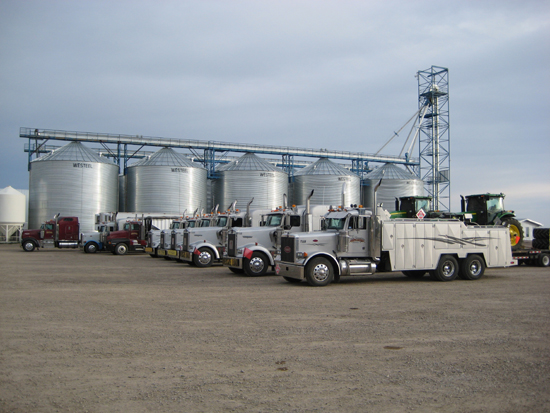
[105, 333]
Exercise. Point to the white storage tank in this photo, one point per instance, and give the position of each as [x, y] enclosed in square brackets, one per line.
[396, 182]
[72, 181]
[166, 182]
[250, 177]
[12, 212]
[326, 178]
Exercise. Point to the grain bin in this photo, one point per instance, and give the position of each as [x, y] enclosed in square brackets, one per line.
[396, 182]
[250, 177]
[165, 182]
[12, 212]
[72, 181]
[326, 178]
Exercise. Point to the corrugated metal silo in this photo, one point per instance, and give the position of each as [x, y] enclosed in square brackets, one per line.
[73, 181]
[165, 182]
[250, 177]
[396, 182]
[327, 179]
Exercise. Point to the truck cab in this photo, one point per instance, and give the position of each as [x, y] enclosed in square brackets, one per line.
[203, 246]
[252, 250]
[60, 232]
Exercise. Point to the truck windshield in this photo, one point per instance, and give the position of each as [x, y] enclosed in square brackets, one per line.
[273, 220]
[190, 224]
[335, 223]
[205, 223]
[221, 222]
[175, 225]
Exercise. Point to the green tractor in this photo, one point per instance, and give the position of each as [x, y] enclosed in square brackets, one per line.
[488, 209]
[409, 206]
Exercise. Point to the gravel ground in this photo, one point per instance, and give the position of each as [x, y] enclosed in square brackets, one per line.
[99, 332]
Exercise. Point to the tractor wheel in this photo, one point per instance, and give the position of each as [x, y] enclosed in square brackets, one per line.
[516, 232]
[541, 243]
[541, 233]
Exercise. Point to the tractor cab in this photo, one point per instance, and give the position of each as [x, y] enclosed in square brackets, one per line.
[488, 209]
[409, 206]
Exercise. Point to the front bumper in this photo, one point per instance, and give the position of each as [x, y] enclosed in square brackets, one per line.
[232, 262]
[289, 270]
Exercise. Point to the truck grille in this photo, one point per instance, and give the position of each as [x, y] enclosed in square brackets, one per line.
[232, 245]
[185, 241]
[173, 240]
[287, 249]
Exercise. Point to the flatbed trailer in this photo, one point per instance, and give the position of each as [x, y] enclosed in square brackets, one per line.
[532, 256]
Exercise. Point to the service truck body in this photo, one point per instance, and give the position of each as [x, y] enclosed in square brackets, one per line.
[355, 242]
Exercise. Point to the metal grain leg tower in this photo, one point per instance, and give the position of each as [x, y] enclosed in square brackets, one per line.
[435, 150]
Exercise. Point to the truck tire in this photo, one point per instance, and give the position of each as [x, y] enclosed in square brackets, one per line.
[91, 247]
[447, 269]
[28, 245]
[257, 265]
[472, 268]
[292, 280]
[543, 260]
[121, 248]
[414, 274]
[204, 258]
[541, 233]
[516, 232]
[319, 272]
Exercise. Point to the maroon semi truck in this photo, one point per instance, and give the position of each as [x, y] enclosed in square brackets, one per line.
[60, 232]
[133, 235]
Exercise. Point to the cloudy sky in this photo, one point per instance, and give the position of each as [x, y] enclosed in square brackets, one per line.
[316, 74]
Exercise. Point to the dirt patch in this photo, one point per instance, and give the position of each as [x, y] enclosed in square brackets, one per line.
[98, 332]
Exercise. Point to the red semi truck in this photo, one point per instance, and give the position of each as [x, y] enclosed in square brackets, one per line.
[60, 232]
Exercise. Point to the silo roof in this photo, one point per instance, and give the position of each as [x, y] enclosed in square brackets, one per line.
[74, 151]
[250, 162]
[390, 171]
[323, 166]
[166, 157]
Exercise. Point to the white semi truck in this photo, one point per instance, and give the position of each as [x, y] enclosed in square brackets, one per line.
[357, 242]
[252, 250]
[204, 246]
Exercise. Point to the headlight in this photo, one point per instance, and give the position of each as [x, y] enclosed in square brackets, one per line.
[301, 254]
[240, 251]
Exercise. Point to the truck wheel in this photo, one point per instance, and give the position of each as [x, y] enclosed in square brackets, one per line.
[91, 248]
[447, 269]
[516, 233]
[543, 260]
[121, 248]
[204, 259]
[28, 246]
[319, 272]
[236, 270]
[472, 268]
[415, 274]
[257, 265]
[154, 254]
